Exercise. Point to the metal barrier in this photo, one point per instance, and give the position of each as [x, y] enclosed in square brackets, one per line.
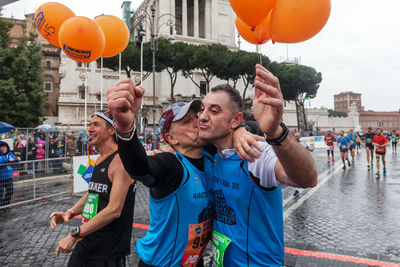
[26, 181]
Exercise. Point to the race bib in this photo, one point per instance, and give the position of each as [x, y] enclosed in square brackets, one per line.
[199, 235]
[90, 207]
[219, 244]
[369, 140]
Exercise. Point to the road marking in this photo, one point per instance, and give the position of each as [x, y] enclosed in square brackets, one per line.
[336, 257]
[288, 199]
[298, 203]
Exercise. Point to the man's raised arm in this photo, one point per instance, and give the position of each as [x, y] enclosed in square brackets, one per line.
[295, 166]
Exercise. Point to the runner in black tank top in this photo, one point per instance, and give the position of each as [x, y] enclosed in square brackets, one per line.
[107, 207]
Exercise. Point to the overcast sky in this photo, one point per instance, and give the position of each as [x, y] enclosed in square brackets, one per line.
[358, 49]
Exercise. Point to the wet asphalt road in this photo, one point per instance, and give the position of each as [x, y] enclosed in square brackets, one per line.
[349, 213]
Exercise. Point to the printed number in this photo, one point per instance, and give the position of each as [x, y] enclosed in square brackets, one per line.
[200, 241]
[88, 208]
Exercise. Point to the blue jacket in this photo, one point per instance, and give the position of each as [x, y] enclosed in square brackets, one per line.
[6, 171]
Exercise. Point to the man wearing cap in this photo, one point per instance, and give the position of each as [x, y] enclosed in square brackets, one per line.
[180, 200]
[107, 208]
[369, 147]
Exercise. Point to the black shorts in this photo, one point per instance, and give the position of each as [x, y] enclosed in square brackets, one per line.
[370, 146]
[344, 150]
[394, 144]
[78, 260]
[381, 153]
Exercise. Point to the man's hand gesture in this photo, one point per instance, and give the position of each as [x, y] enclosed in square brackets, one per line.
[268, 102]
[124, 101]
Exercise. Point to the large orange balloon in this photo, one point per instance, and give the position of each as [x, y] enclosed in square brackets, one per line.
[252, 12]
[116, 34]
[82, 39]
[258, 35]
[48, 19]
[294, 21]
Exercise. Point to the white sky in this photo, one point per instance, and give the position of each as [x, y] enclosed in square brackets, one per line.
[358, 49]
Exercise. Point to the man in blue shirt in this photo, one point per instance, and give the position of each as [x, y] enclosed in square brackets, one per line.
[344, 145]
[352, 145]
[248, 222]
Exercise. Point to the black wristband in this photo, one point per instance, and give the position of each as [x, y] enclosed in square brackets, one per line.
[242, 124]
[280, 139]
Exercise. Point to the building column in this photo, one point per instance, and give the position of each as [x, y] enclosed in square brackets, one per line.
[184, 18]
[207, 23]
[196, 18]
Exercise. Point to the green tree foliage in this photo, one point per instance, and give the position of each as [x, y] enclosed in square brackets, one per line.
[334, 113]
[22, 98]
[208, 60]
[172, 57]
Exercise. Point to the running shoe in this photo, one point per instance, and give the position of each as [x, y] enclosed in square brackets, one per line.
[372, 164]
[333, 160]
[368, 166]
[344, 167]
[384, 171]
[378, 174]
[329, 162]
[349, 163]
[296, 192]
[352, 161]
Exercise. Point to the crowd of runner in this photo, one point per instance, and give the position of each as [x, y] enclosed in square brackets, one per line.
[376, 141]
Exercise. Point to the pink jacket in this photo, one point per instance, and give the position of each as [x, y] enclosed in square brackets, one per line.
[40, 153]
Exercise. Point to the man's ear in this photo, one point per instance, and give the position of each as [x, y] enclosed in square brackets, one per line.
[236, 120]
[170, 139]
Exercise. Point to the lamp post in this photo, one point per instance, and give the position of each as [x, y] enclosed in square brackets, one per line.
[140, 18]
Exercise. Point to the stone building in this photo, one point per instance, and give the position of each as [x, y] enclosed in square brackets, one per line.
[387, 120]
[344, 100]
[50, 62]
[318, 119]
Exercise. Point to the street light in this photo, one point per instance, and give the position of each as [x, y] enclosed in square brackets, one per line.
[141, 16]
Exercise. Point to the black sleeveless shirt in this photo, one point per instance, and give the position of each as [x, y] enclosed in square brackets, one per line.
[113, 240]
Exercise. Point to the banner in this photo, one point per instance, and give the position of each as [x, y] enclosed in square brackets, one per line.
[80, 167]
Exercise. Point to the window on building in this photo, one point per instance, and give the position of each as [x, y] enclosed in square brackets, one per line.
[80, 65]
[190, 17]
[202, 18]
[48, 64]
[203, 88]
[48, 86]
[82, 92]
[178, 16]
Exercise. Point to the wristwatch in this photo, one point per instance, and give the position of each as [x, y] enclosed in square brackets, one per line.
[75, 232]
[279, 140]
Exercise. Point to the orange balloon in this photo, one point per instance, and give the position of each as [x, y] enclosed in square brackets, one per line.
[294, 21]
[258, 35]
[116, 34]
[252, 12]
[82, 39]
[48, 19]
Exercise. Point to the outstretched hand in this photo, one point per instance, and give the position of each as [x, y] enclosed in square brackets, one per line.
[268, 102]
[57, 218]
[124, 100]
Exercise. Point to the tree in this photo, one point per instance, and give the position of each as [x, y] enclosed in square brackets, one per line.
[247, 71]
[299, 83]
[334, 113]
[22, 98]
[207, 59]
[231, 70]
[172, 56]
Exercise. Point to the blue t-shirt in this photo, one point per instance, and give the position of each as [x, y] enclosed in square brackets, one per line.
[180, 223]
[249, 216]
[343, 142]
